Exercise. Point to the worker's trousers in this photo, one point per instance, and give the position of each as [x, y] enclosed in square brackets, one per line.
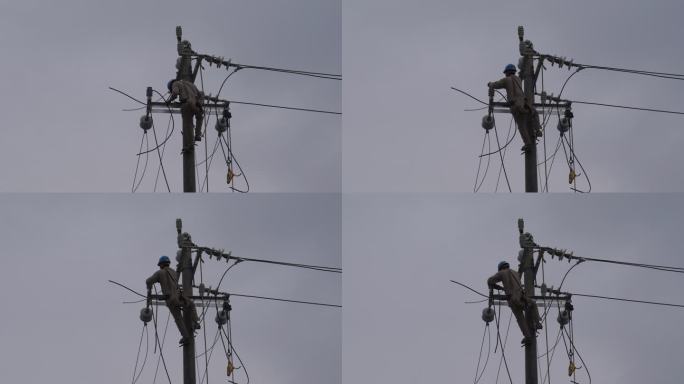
[179, 306]
[518, 305]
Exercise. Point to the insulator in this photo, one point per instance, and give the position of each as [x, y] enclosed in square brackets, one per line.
[488, 315]
[202, 289]
[221, 125]
[145, 122]
[149, 92]
[543, 289]
[568, 113]
[221, 317]
[226, 306]
[487, 122]
[563, 124]
[563, 317]
[226, 113]
[146, 315]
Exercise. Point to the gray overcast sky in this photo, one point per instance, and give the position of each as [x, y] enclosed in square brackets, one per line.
[64, 323]
[405, 130]
[404, 322]
[65, 131]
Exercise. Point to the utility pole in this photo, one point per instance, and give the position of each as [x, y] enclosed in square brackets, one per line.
[186, 270]
[528, 271]
[184, 67]
[528, 77]
[548, 296]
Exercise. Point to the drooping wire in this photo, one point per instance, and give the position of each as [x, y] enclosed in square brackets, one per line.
[584, 364]
[242, 364]
[135, 186]
[173, 127]
[161, 345]
[509, 140]
[161, 162]
[210, 160]
[163, 151]
[487, 140]
[503, 166]
[154, 131]
[479, 375]
[230, 158]
[503, 353]
[137, 356]
[505, 150]
[584, 172]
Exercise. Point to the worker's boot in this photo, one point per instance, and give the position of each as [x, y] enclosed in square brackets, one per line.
[184, 340]
[527, 340]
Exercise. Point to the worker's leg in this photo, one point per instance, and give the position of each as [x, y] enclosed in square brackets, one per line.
[199, 122]
[534, 311]
[190, 309]
[536, 125]
[517, 308]
[521, 123]
[175, 309]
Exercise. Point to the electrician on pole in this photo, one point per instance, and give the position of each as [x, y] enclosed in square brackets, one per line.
[522, 109]
[175, 300]
[191, 102]
[517, 301]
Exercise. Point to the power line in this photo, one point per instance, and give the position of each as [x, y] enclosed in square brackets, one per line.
[628, 300]
[286, 300]
[627, 107]
[330, 76]
[562, 254]
[283, 107]
[664, 75]
[229, 256]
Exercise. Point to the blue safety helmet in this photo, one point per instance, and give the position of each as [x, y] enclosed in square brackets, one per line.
[164, 260]
[503, 265]
[170, 84]
[510, 68]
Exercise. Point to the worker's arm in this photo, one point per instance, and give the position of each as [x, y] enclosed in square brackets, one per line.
[491, 282]
[151, 280]
[174, 92]
[499, 84]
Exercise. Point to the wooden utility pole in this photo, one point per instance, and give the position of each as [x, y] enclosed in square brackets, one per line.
[528, 78]
[184, 66]
[186, 271]
[527, 267]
